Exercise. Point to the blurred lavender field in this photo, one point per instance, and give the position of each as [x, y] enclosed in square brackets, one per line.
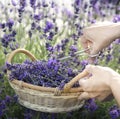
[51, 30]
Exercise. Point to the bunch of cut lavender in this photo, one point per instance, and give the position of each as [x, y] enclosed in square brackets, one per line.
[51, 73]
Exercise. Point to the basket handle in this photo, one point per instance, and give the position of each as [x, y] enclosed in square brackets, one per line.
[20, 50]
[68, 85]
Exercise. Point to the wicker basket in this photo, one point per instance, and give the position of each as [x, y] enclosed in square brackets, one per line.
[46, 99]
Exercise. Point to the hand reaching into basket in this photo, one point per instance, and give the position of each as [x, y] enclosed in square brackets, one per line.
[99, 36]
[101, 82]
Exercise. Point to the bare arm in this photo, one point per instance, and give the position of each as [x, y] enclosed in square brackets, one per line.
[100, 35]
[103, 82]
[115, 88]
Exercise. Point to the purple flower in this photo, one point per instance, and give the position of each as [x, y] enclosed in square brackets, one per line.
[90, 105]
[7, 99]
[49, 47]
[84, 63]
[78, 2]
[33, 26]
[61, 86]
[2, 104]
[73, 48]
[117, 41]
[44, 4]
[114, 112]
[14, 2]
[32, 3]
[70, 72]
[23, 3]
[2, 25]
[15, 98]
[68, 13]
[53, 4]
[13, 33]
[28, 114]
[49, 26]
[37, 17]
[116, 18]
[50, 37]
[1, 75]
[109, 57]
[93, 2]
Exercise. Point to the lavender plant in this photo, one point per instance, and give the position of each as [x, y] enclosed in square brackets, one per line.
[51, 32]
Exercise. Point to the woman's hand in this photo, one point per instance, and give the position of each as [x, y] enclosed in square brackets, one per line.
[99, 36]
[98, 84]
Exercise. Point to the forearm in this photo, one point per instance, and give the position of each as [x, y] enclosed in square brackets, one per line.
[116, 30]
[115, 88]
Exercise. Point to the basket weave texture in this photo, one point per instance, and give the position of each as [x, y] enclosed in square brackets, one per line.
[46, 99]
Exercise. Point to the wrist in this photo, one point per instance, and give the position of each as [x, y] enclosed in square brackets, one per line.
[116, 30]
[115, 86]
[115, 80]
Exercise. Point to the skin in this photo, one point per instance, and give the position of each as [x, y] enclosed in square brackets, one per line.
[96, 85]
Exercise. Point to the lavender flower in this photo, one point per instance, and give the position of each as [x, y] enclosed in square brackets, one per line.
[32, 3]
[8, 99]
[114, 112]
[90, 105]
[37, 17]
[28, 114]
[49, 73]
[14, 3]
[78, 2]
[2, 25]
[2, 107]
[10, 23]
[109, 57]
[49, 26]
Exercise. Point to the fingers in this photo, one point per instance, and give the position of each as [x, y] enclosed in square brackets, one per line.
[100, 96]
[84, 96]
[103, 95]
[90, 68]
[87, 85]
[94, 49]
[86, 43]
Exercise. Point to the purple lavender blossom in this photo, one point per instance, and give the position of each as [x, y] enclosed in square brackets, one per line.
[117, 41]
[10, 23]
[8, 99]
[32, 3]
[37, 17]
[44, 4]
[114, 112]
[78, 2]
[90, 105]
[49, 47]
[49, 26]
[2, 25]
[116, 18]
[23, 3]
[15, 98]
[2, 107]
[28, 114]
[109, 57]
[73, 48]
[14, 2]
[48, 73]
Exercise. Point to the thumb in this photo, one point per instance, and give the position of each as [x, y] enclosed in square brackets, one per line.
[94, 49]
[84, 96]
[82, 82]
[90, 68]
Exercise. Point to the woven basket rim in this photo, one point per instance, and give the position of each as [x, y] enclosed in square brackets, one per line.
[45, 89]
